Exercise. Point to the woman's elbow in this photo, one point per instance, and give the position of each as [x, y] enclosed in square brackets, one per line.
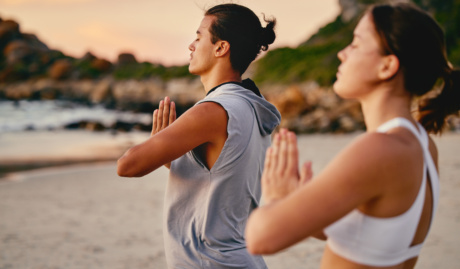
[257, 240]
[259, 247]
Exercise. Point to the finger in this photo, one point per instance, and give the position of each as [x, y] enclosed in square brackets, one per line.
[160, 115]
[275, 149]
[306, 173]
[292, 153]
[282, 153]
[154, 121]
[268, 161]
[166, 112]
[172, 113]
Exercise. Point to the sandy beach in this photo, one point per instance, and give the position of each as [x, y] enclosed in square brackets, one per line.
[85, 216]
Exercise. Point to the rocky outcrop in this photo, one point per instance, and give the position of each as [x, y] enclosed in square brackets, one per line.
[135, 95]
[349, 9]
[308, 108]
[126, 58]
[60, 69]
[305, 108]
[30, 70]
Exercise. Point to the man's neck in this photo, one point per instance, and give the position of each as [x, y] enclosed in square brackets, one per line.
[218, 77]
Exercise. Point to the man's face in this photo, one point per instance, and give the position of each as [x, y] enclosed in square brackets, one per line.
[202, 56]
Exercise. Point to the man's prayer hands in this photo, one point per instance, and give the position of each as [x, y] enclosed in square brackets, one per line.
[163, 116]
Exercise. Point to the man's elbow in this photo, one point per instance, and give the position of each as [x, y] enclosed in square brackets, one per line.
[123, 169]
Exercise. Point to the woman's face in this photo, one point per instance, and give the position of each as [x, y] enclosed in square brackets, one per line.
[357, 73]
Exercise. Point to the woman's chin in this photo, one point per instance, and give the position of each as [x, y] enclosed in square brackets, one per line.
[340, 91]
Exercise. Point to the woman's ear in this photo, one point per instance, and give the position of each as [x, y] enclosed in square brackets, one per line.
[222, 48]
[389, 67]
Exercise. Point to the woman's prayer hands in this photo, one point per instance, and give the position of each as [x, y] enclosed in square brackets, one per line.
[281, 173]
[163, 116]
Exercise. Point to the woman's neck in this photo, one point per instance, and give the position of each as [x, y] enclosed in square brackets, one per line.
[383, 105]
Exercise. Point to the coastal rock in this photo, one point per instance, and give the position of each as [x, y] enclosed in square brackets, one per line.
[350, 9]
[61, 69]
[101, 65]
[185, 90]
[35, 43]
[17, 51]
[308, 108]
[17, 91]
[126, 59]
[135, 90]
[290, 103]
[88, 57]
[101, 91]
[9, 30]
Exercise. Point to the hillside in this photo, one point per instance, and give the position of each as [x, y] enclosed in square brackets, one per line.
[296, 80]
[23, 56]
[316, 60]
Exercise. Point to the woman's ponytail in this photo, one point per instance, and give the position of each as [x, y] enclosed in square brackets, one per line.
[433, 111]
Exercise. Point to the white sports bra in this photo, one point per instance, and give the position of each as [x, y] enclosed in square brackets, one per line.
[377, 241]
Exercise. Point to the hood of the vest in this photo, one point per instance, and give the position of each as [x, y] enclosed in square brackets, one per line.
[268, 117]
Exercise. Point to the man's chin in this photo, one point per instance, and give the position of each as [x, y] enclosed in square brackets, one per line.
[191, 71]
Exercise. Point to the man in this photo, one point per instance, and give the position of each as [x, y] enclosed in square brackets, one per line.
[216, 149]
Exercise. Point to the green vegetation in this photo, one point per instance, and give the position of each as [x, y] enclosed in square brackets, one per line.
[146, 69]
[316, 59]
[313, 60]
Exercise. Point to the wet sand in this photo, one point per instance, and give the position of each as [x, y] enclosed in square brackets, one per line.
[85, 216]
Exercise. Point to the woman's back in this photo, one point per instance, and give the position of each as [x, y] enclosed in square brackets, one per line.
[389, 230]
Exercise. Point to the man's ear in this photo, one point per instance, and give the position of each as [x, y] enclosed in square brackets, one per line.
[221, 48]
[388, 67]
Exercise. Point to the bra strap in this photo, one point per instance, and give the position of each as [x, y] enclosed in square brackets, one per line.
[422, 137]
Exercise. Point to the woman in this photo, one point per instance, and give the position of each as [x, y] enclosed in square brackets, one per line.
[376, 200]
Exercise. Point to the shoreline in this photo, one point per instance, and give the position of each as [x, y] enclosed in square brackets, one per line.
[26, 151]
[32, 150]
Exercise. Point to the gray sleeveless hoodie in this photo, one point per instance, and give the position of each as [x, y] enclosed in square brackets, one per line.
[206, 210]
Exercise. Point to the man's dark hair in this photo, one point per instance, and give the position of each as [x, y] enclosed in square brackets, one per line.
[241, 28]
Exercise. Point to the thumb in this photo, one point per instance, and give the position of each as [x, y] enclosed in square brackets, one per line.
[306, 173]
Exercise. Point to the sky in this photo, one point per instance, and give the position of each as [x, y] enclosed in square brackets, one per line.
[157, 31]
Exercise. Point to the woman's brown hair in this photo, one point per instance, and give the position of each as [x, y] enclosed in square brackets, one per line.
[417, 40]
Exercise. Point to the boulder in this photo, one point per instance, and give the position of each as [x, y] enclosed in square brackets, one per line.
[17, 51]
[126, 59]
[184, 91]
[18, 91]
[60, 69]
[290, 103]
[35, 43]
[9, 30]
[88, 57]
[101, 65]
[101, 91]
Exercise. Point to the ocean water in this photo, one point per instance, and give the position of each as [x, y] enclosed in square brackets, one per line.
[53, 114]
